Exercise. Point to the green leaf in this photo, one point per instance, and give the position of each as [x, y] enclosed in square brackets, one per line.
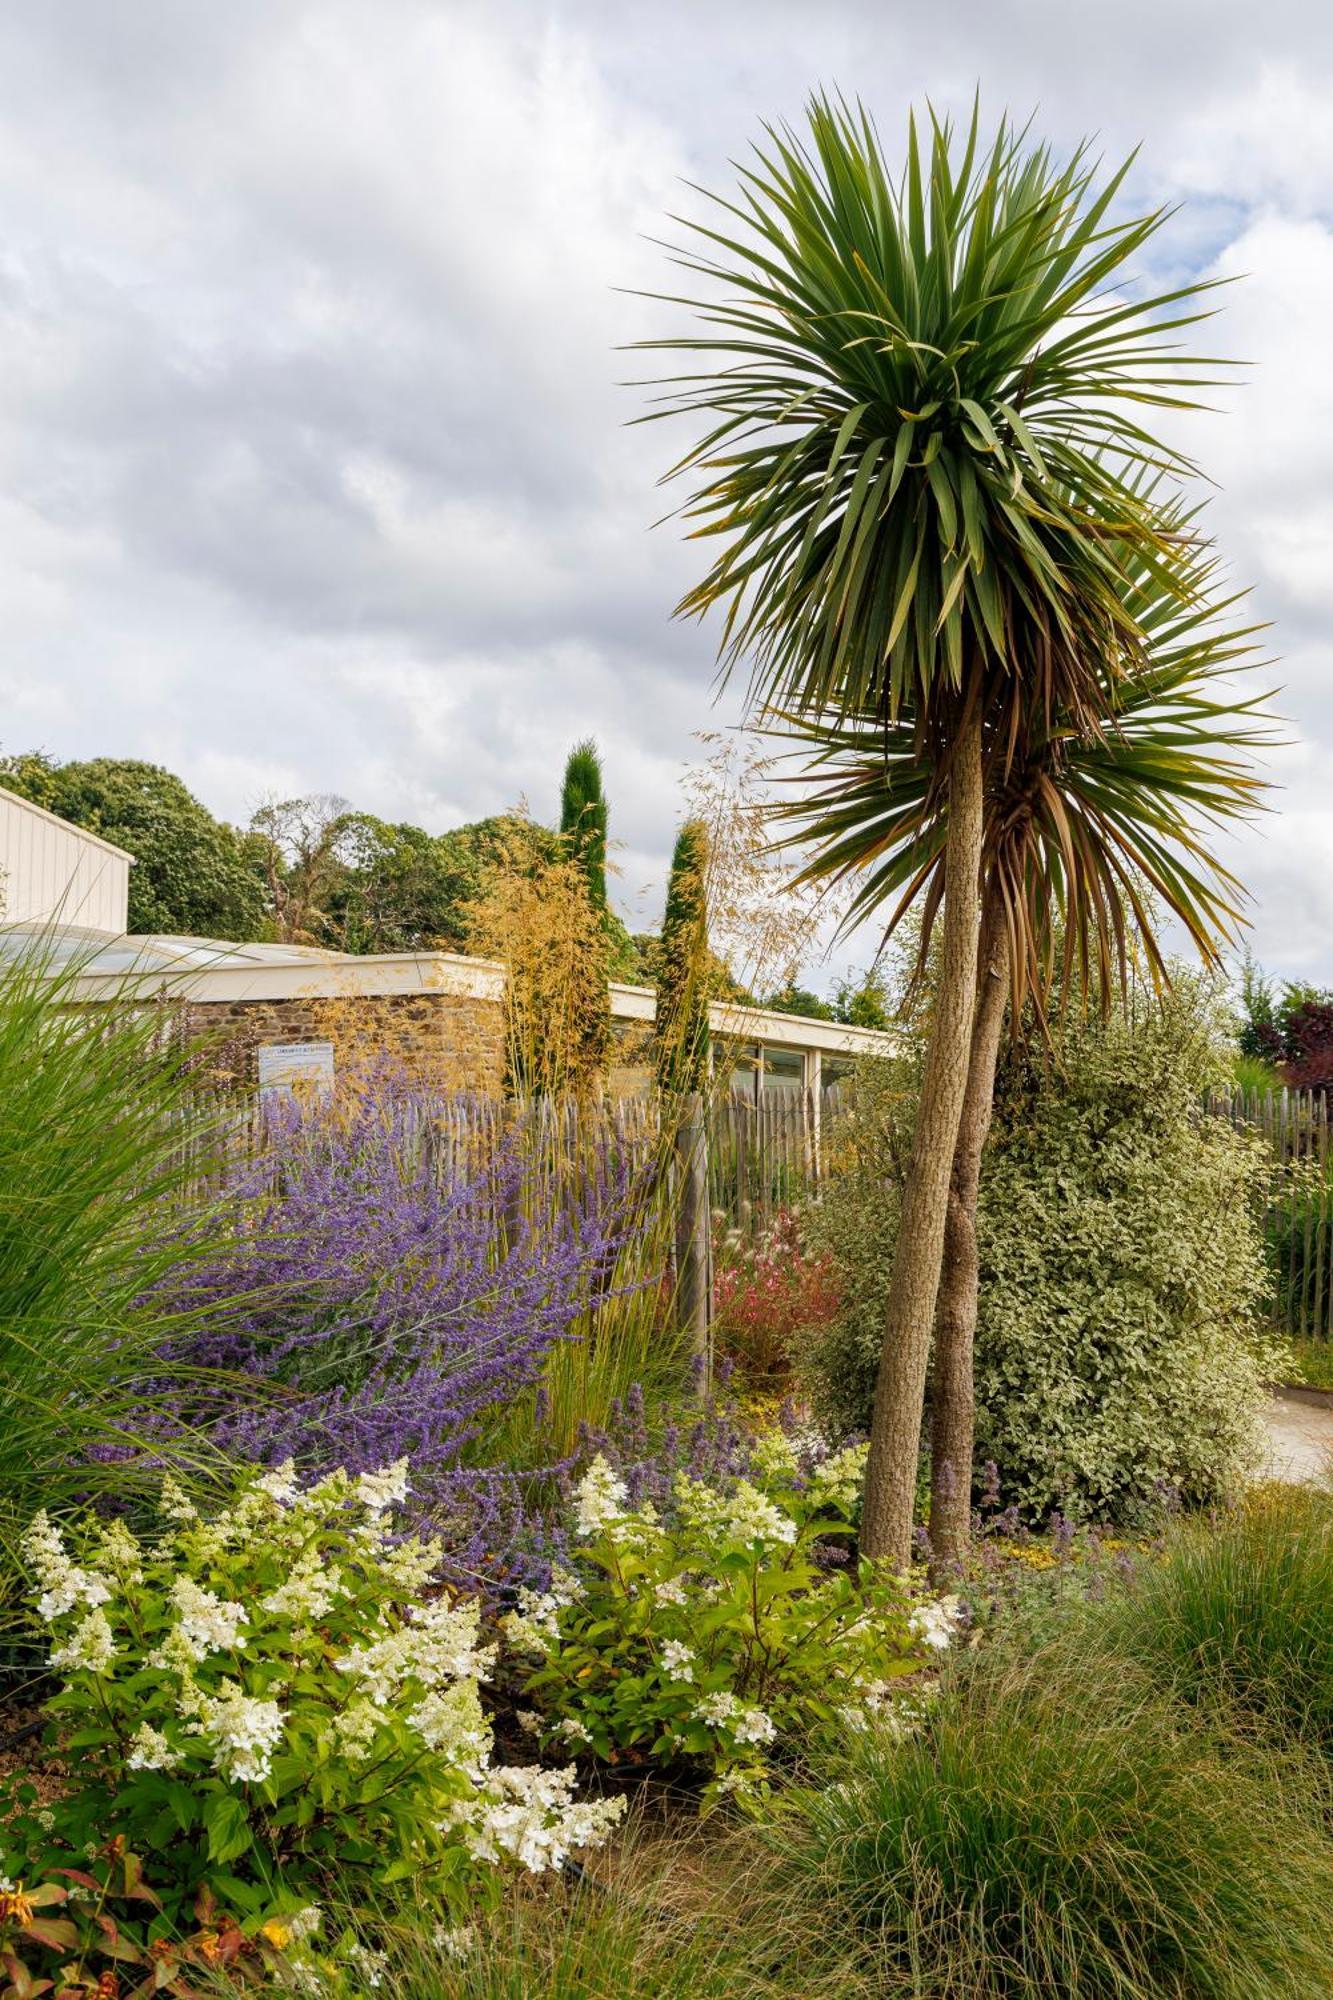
[227, 1824]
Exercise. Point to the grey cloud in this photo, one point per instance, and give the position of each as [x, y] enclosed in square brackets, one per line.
[314, 464]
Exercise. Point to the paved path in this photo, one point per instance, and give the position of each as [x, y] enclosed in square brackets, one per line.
[1300, 1440]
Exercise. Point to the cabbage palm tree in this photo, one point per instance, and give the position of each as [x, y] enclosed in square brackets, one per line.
[921, 432]
[1091, 842]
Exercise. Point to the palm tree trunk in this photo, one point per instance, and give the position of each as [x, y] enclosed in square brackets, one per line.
[953, 1403]
[895, 1431]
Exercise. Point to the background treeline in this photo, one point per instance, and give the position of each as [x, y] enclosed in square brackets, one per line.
[315, 871]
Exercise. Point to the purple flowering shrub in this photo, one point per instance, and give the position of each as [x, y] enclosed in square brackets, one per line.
[383, 1290]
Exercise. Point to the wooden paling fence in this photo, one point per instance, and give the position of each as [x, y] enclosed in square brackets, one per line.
[1299, 1216]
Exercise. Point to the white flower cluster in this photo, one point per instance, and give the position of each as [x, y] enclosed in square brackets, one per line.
[533, 1816]
[309, 1592]
[242, 1731]
[677, 1661]
[208, 1623]
[90, 1647]
[599, 1498]
[438, 1644]
[535, 1626]
[63, 1583]
[740, 1518]
[378, 1491]
[450, 1722]
[150, 1751]
[884, 1705]
[839, 1480]
[746, 1725]
[936, 1622]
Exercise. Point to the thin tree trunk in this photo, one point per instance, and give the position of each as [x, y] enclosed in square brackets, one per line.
[895, 1432]
[953, 1402]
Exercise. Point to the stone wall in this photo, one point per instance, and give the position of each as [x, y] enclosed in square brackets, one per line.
[450, 1040]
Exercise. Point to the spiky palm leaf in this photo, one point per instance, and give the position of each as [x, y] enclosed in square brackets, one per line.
[1088, 835]
[922, 440]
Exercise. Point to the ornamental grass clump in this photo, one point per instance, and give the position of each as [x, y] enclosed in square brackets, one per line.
[1238, 1616]
[275, 1701]
[714, 1637]
[1046, 1834]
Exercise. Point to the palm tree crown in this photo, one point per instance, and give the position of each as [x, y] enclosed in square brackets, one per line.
[921, 431]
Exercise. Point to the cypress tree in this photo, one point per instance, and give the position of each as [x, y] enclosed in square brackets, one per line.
[682, 966]
[583, 817]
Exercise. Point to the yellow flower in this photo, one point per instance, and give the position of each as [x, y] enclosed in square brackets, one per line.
[15, 1907]
[276, 1933]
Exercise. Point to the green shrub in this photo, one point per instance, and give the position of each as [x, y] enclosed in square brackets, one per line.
[1041, 1838]
[1121, 1344]
[267, 1701]
[705, 1639]
[1239, 1613]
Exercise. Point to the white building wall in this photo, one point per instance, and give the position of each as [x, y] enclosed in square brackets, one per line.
[51, 871]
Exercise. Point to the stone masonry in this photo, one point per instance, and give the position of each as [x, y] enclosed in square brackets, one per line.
[450, 1040]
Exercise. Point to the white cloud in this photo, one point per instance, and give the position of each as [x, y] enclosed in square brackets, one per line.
[314, 464]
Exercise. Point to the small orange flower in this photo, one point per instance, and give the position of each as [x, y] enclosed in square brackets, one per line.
[108, 1987]
[209, 1946]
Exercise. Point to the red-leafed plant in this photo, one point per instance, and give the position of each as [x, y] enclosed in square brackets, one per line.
[767, 1293]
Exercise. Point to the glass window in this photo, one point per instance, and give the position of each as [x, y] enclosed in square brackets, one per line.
[784, 1069]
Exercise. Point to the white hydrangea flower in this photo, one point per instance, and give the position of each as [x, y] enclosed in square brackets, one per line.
[242, 1731]
[305, 1924]
[936, 1622]
[309, 1592]
[175, 1503]
[574, 1732]
[599, 1498]
[208, 1623]
[280, 1484]
[357, 1729]
[673, 1591]
[410, 1566]
[743, 1518]
[122, 1551]
[529, 1721]
[838, 1481]
[531, 1815]
[775, 1455]
[752, 1725]
[677, 1660]
[378, 1491]
[450, 1722]
[716, 1709]
[90, 1647]
[149, 1750]
[64, 1583]
[438, 1645]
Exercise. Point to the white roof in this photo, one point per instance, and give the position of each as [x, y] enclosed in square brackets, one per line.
[205, 970]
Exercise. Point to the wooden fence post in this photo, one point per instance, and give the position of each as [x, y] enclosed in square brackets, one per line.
[694, 1240]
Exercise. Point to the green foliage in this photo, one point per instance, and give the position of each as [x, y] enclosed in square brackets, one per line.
[1045, 1835]
[583, 816]
[102, 1141]
[1312, 1363]
[1120, 1342]
[1239, 1616]
[886, 521]
[864, 1002]
[270, 1697]
[705, 1639]
[792, 999]
[682, 966]
[92, 1926]
[190, 874]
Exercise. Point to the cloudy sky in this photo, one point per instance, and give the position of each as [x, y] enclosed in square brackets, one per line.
[315, 472]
